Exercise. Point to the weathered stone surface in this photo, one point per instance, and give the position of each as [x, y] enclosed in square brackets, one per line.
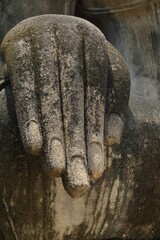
[118, 88]
[48, 62]
[133, 28]
[59, 80]
[124, 203]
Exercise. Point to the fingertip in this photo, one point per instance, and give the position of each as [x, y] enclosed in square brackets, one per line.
[55, 157]
[95, 175]
[95, 160]
[54, 171]
[33, 150]
[76, 191]
[32, 138]
[76, 180]
[114, 130]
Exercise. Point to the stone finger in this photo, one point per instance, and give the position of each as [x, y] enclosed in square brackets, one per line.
[72, 87]
[118, 91]
[50, 101]
[96, 61]
[21, 68]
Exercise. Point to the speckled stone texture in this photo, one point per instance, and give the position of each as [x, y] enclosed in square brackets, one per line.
[69, 84]
[123, 203]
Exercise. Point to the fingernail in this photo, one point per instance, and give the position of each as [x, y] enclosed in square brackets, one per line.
[95, 160]
[76, 178]
[114, 130]
[55, 158]
[32, 138]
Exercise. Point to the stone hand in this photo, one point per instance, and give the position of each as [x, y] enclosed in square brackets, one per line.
[59, 69]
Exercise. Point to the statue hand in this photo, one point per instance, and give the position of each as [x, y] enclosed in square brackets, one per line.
[59, 68]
